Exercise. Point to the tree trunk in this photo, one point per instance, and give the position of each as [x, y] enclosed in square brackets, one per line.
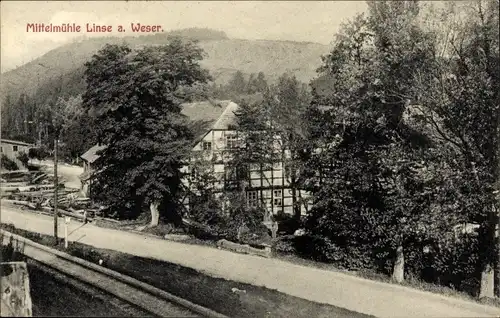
[487, 281]
[296, 209]
[155, 214]
[398, 273]
[487, 288]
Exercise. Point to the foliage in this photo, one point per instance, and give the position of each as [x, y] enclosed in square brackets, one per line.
[23, 158]
[284, 245]
[205, 205]
[377, 181]
[8, 164]
[462, 90]
[77, 132]
[230, 217]
[226, 213]
[238, 86]
[135, 97]
[39, 153]
[245, 222]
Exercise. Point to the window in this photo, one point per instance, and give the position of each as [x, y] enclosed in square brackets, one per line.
[252, 198]
[278, 198]
[206, 145]
[232, 142]
[14, 148]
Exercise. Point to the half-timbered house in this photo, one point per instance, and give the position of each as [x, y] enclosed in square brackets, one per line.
[217, 138]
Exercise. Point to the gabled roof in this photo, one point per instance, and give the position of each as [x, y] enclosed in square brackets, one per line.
[218, 113]
[91, 155]
[206, 116]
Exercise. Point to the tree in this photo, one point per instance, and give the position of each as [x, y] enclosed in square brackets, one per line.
[462, 92]
[251, 84]
[205, 202]
[135, 98]
[77, 129]
[237, 84]
[261, 84]
[288, 102]
[371, 191]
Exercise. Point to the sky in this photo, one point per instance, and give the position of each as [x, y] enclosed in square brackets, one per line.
[312, 21]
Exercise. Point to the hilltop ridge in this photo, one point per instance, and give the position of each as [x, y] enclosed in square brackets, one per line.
[224, 57]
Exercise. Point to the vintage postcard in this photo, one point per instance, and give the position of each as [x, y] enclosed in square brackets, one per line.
[250, 158]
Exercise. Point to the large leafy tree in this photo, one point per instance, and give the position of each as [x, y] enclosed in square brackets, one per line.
[272, 131]
[77, 133]
[371, 186]
[288, 102]
[136, 98]
[461, 95]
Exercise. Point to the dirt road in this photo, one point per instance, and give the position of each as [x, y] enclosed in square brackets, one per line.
[365, 296]
[70, 173]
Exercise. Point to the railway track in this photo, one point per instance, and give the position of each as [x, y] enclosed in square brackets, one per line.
[144, 297]
[56, 294]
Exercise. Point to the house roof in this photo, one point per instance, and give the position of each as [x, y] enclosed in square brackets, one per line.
[204, 116]
[16, 142]
[91, 155]
[209, 115]
[219, 114]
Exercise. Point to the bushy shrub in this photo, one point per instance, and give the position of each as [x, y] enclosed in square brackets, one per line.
[39, 153]
[243, 221]
[207, 210]
[256, 235]
[348, 255]
[8, 164]
[287, 224]
[457, 265]
[237, 222]
[284, 245]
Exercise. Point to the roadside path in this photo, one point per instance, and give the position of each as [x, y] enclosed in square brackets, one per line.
[353, 293]
[70, 173]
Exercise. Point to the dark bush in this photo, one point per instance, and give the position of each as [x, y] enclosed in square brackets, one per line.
[347, 255]
[457, 265]
[257, 235]
[317, 248]
[8, 164]
[39, 153]
[287, 224]
[202, 232]
[284, 245]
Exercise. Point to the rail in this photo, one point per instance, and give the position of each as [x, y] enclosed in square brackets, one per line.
[144, 296]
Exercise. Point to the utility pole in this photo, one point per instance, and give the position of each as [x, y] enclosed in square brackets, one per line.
[56, 186]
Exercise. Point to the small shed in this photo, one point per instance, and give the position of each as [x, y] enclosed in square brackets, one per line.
[89, 157]
[12, 148]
